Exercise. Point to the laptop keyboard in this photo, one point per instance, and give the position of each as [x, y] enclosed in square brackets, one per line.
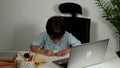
[64, 65]
[62, 62]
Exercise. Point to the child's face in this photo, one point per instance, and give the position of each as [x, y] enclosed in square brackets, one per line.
[56, 40]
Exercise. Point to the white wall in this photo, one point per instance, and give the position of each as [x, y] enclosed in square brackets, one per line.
[22, 20]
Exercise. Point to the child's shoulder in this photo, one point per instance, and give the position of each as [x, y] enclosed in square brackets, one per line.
[67, 33]
[43, 33]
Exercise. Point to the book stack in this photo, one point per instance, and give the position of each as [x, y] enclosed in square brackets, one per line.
[8, 60]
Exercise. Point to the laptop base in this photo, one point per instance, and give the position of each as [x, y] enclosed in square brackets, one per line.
[63, 63]
[118, 53]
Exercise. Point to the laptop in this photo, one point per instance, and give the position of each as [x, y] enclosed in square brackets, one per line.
[85, 55]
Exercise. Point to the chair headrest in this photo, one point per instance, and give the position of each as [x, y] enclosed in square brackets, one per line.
[71, 8]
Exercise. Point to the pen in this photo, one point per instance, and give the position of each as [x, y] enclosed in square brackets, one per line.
[35, 55]
[40, 62]
[30, 56]
[29, 51]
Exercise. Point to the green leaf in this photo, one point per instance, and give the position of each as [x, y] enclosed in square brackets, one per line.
[111, 11]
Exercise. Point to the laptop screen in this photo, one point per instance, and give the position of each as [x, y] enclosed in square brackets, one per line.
[88, 54]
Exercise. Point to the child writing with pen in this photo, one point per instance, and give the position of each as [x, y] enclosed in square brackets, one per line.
[55, 41]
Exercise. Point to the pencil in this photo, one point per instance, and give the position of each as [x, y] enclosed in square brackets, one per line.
[35, 56]
[29, 51]
[30, 58]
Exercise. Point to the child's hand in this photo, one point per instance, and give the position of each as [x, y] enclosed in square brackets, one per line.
[63, 52]
[34, 48]
[49, 53]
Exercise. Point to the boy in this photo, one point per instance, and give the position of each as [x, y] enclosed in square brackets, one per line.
[55, 41]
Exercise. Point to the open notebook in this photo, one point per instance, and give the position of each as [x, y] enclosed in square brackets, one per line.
[85, 55]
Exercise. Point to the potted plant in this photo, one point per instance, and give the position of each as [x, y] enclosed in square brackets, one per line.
[111, 9]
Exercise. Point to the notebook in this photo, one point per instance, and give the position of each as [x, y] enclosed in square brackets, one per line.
[85, 55]
[7, 56]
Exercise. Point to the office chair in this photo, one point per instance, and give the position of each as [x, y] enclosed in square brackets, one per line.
[78, 26]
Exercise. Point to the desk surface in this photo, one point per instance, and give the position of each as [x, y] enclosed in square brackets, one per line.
[48, 59]
[114, 62]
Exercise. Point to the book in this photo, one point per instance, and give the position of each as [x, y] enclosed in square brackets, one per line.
[8, 59]
[7, 67]
[8, 56]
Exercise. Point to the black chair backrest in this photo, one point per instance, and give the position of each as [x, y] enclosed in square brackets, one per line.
[71, 8]
[79, 27]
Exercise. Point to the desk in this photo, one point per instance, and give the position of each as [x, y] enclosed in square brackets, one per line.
[49, 60]
[112, 63]
[109, 63]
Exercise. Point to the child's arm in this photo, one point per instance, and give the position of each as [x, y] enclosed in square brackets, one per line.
[41, 51]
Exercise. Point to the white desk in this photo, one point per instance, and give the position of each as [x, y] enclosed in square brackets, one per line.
[113, 63]
[49, 60]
